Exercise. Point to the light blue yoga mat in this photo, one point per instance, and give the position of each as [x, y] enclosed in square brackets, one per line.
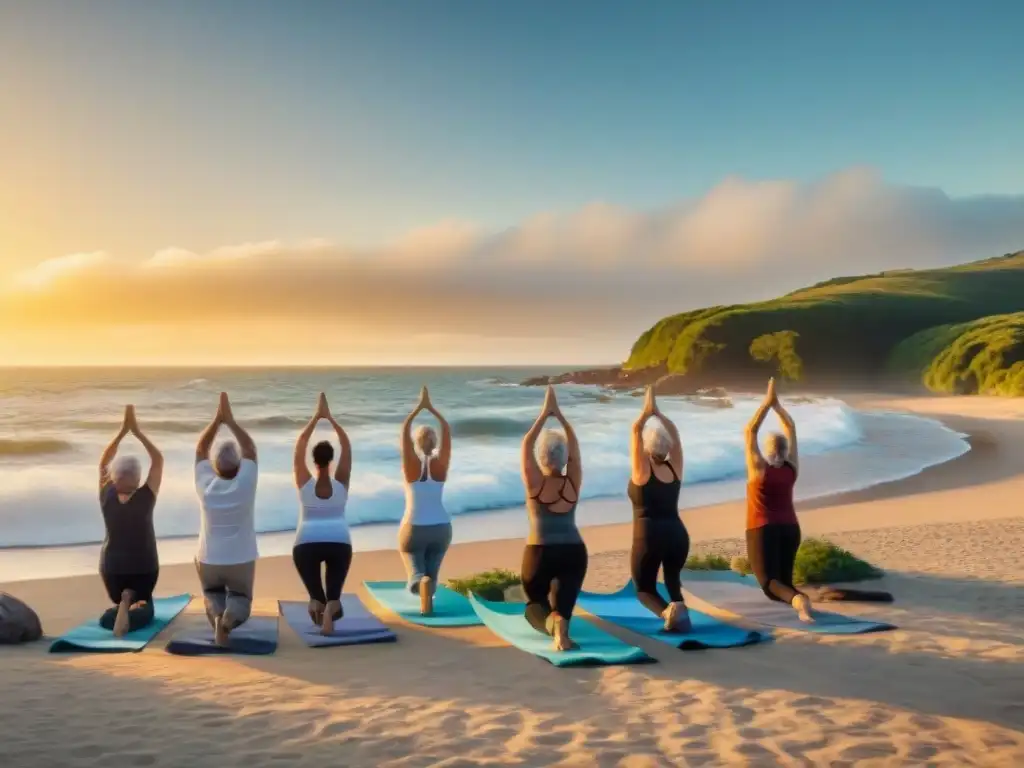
[257, 637]
[90, 637]
[741, 595]
[450, 608]
[596, 647]
[623, 609]
[356, 627]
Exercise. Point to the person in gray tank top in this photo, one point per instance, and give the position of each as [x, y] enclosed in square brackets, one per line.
[129, 565]
[555, 557]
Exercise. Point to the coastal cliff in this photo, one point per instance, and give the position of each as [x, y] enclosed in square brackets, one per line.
[956, 330]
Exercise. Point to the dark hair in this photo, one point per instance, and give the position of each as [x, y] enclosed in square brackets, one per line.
[323, 454]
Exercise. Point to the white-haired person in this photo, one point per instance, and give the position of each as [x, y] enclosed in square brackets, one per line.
[129, 565]
[426, 530]
[660, 540]
[226, 560]
[773, 531]
[555, 556]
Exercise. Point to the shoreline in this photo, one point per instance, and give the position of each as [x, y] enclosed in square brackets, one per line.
[943, 688]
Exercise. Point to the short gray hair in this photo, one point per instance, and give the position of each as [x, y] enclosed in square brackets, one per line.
[657, 441]
[424, 435]
[125, 467]
[777, 444]
[552, 450]
[227, 456]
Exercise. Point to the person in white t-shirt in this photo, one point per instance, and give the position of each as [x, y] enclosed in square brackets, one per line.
[226, 561]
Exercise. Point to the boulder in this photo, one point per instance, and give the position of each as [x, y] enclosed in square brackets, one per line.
[18, 622]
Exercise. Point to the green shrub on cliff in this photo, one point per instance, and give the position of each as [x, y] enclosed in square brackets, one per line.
[985, 356]
[490, 585]
[780, 347]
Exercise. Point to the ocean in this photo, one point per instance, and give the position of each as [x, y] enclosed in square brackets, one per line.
[55, 422]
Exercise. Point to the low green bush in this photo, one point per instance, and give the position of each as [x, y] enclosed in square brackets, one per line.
[707, 563]
[490, 585]
[822, 562]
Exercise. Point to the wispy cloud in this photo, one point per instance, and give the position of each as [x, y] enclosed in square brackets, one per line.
[601, 269]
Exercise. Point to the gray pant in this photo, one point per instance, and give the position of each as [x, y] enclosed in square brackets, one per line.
[228, 591]
[423, 548]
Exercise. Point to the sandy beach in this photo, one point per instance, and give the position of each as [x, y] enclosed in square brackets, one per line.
[945, 688]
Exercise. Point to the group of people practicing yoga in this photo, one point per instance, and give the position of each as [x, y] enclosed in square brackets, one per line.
[554, 558]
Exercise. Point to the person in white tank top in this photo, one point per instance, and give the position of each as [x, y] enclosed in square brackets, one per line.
[426, 530]
[322, 540]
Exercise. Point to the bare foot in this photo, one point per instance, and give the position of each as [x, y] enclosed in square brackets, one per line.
[802, 604]
[561, 634]
[427, 596]
[221, 633]
[121, 621]
[331, 610]
[316, 611]
[677, 618]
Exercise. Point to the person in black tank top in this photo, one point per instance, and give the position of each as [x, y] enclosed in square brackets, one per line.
[660, 540]
[129, 565]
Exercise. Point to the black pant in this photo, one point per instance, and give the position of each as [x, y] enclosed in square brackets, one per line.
[141, 585]
[337, 559]
[771, 550]
[543, 564]
[658, 545]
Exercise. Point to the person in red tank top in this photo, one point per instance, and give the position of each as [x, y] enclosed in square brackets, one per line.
[773, 532]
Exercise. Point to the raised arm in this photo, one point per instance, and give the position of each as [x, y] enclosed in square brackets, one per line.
[641, 467]
[343, 469]
[789, 429]
[411, 467]
[156, 459]
[444, 454]
[208, 436]
[675, 453]
[574, 467]
[111, 451]
[533, 477]
[299, 464]
[245, 442]
[755, 461]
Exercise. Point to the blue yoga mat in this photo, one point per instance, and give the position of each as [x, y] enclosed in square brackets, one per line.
[257, 637]
[450, 608]
[356, 627]
[596, 647]
[91, 637]
[623, 609]
[741, 595]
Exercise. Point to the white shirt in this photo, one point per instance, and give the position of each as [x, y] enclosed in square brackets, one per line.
[322, 520]
[227, 531]
[424, 503]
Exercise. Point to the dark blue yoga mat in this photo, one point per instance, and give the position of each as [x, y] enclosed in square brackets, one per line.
[90, 637]
[450, 608]
[623, 609]
[257, 637]
[741, 595]
[356, 627]
[596, 647]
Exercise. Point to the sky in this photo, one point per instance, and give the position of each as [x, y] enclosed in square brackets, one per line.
[457, 182]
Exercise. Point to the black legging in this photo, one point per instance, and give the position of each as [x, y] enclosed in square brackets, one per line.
[141, 586]
[336, 556]
[771, 550]
[542, 564]
[658, 545]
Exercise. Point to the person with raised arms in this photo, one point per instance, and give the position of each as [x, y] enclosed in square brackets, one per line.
[773, 531]
[226, 560]
[426, 529]
[129, 565]
[555, 556]
[322, 539]
[660, 540]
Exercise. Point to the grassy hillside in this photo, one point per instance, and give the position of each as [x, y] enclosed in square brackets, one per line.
[848, 326]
